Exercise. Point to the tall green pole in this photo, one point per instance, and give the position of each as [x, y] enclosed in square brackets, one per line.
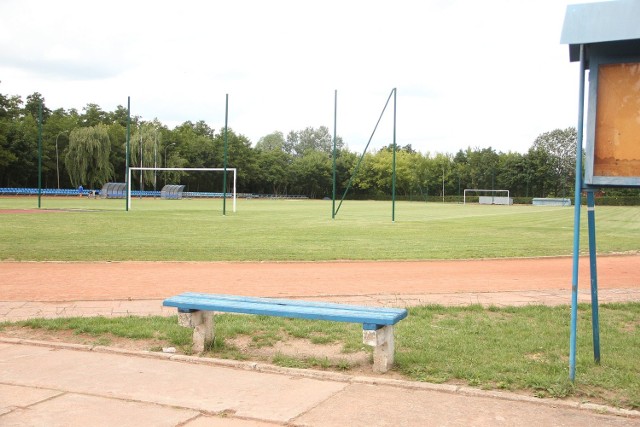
[393, 179]
[39, 153]
[224, 174]
[335, 115]
[126, 153]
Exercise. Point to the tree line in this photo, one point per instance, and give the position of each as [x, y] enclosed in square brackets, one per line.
[88, 148]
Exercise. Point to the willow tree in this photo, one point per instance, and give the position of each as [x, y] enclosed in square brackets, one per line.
[87, 156]
[146, 141]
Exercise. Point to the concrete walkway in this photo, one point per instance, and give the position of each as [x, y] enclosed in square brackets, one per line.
[20, 310]
[72, 385]
[50, 384]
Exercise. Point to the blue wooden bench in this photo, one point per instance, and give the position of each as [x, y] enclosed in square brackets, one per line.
[195, 310]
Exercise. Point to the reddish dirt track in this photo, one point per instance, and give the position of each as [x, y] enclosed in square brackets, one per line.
[76, 281]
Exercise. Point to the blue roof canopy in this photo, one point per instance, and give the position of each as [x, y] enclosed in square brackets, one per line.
[613, 22]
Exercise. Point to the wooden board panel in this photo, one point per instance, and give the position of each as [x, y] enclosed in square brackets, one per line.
[617, 135]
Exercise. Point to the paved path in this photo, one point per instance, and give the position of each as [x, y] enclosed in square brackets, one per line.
[42, 385]
[21, 310]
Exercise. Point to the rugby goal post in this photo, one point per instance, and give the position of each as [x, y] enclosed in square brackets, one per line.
[492, 199]
[181, 170]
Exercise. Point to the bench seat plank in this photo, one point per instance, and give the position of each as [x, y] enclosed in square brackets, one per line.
[370, 317]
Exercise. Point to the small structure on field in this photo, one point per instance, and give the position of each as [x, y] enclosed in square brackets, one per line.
[113, 190]
[172, 191]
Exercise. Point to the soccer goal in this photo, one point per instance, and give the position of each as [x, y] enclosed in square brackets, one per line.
[489, 197]
[183, 170]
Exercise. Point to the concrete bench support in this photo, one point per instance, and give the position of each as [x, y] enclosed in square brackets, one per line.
[383, 347]
[203, 328]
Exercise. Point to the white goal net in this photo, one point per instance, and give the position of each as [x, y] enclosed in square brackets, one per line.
[488, 197]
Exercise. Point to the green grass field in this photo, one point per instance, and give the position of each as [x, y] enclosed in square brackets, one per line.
[519, 349]
[196, 230]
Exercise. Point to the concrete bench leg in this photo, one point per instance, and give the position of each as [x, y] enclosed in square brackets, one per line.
[383, 347]
[203, 328]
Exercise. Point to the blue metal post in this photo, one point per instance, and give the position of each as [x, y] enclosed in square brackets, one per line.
[595, 321]
[576, 223]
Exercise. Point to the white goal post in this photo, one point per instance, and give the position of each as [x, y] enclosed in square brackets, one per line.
[178, 170]
[493, 199]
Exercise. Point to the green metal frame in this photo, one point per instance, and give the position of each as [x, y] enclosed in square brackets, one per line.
[355, 171]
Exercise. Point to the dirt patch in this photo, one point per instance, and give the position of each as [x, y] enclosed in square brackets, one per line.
[301, 349]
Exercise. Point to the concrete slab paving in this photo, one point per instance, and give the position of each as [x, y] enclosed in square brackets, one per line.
[71, 410]
[263, 396]
[55, 385]
[226, 421]
[13, 397]
[369, 405]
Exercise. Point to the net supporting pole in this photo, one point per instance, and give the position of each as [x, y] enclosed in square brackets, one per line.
[335, 115]
[355, 171]
[393, 178]
[39, 153]
[224, 175]
[126, 155]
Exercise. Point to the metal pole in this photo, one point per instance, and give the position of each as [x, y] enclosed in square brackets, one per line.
[576, 223]
[393, 179]
[595, 320]
[39, 153]
[224, 174]
[155, 164]
[335, 115]
[141, 164]
[355, 171]
[126, 154]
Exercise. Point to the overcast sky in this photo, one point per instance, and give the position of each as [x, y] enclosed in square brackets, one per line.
[468, 73]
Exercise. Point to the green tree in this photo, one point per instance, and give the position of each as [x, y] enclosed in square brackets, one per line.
[32, 106]
[273, 174]
[560, 147]
[93, 115]
[311, 139]
[87, 157]
[145, 143]
[312, 174]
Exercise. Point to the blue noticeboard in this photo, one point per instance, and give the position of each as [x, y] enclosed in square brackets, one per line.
[605, 38]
